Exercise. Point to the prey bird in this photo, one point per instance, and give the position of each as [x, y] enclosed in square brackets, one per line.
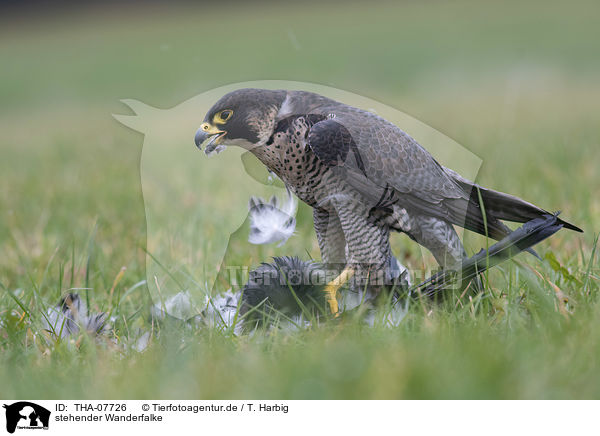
[364, 177]
[293, 288]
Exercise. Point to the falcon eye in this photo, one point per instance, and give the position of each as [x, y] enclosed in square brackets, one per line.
[223, 116]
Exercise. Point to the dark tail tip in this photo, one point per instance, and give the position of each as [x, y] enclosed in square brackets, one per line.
[570, 226]
[566, 224]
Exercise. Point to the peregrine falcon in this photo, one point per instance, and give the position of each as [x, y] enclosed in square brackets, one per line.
[363, 176]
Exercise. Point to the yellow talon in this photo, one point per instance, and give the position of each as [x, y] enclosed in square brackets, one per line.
[332, 288]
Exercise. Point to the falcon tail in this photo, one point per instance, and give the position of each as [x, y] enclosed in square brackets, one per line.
[510, 208]
[522, 239]
[498, 206]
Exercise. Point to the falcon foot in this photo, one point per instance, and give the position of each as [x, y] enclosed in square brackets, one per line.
[332, 288]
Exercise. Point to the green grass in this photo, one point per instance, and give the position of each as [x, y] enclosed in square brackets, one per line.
[516, 84]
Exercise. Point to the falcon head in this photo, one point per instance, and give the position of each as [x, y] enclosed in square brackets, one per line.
[245, 117]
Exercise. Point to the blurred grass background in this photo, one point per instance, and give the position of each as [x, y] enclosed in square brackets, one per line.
[514, 82]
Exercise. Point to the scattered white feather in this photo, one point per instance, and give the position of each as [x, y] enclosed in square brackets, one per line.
[70, 316]
[218, 149]
[178, 306]
[398, 271]
[397, 313]
[141, 343]
[221, 310]
[271, 221]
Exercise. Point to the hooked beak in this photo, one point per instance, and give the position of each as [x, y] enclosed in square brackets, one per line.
[209, 137]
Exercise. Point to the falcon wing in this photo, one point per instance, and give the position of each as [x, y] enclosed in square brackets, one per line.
[375, 155]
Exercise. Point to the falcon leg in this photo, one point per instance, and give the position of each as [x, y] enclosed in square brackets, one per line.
[332, 245]
[368, 247]
[345, 227]
[330, 235]
[441, 239]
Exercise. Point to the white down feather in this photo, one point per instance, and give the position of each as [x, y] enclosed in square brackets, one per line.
[272, 221]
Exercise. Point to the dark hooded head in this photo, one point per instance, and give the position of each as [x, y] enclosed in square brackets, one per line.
[245, 117]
